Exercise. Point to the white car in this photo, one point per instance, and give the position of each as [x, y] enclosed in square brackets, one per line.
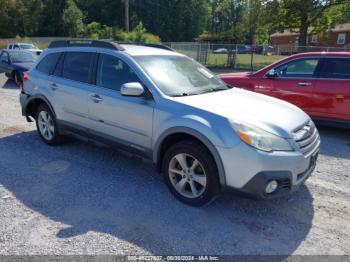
[24, 46]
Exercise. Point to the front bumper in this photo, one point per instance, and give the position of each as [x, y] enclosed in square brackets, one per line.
[248, 171]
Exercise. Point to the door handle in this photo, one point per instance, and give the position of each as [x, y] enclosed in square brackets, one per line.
[96, 98]
[305, 84]
[53, 86]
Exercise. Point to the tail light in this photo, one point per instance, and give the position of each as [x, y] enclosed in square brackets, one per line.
[25, 76]
[24, 79]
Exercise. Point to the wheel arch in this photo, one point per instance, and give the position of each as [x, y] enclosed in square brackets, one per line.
[177, 134]
[34, 102]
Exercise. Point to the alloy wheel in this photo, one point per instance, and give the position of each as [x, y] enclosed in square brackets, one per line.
[46, 125]
[187, 175]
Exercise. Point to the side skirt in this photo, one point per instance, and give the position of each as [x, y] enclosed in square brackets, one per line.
[85, 134]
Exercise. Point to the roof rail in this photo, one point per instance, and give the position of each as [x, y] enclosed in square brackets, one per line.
[86, 43]
[160, 46]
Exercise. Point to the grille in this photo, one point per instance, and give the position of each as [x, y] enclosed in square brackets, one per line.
[307, 138]
[285, 184]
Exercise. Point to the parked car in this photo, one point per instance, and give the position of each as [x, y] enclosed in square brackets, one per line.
[15, 63]
[24, 46]
[318, 83]
[244, 49]
[201, 134]
[220, 51]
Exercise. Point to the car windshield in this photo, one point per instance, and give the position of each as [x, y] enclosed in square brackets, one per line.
[27, 46]
[21, 57]
[180, 76]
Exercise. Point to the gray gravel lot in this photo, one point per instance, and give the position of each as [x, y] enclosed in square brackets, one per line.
[82, 199]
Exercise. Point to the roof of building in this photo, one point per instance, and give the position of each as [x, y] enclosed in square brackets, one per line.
[341, 28]
[295, 32]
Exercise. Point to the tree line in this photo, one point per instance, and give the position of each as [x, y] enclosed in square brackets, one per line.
[236, 21]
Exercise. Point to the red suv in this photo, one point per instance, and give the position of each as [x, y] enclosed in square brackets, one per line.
[318, 83]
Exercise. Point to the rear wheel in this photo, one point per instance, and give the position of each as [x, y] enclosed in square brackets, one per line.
[46, 126]
[17, 79]
[190, 173]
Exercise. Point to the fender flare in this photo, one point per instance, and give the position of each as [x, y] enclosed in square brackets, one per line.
[192, 132]
[38, 97]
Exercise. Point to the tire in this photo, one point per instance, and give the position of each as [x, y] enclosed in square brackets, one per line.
[44, 117]
[181, 178]
[17, 79]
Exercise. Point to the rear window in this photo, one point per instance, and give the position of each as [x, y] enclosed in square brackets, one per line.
[336, 68]
[48, 63]
[76, 66]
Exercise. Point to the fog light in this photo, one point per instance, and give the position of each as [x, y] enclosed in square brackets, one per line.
[271, 187]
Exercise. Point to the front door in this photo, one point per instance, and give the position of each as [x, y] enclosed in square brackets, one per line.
[294, 82]
[127, 120]
[5, 63]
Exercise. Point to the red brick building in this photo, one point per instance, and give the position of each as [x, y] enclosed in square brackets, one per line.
[339, 36]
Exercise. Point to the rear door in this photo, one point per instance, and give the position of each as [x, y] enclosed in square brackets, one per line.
[332, 92]
[295, 80]
[70, 84]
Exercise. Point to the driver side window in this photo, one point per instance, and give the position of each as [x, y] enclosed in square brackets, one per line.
[4, 57]
[112, 73]
[304, 68]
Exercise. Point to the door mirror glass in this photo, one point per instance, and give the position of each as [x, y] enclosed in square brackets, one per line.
[272, 74]
[132, 89]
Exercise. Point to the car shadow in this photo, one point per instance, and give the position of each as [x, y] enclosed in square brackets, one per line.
[98, 189]
[335, 141]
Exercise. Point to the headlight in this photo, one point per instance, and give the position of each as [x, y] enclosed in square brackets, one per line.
[261, 139]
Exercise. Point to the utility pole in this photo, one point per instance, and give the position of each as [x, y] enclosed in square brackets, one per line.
[126, 9]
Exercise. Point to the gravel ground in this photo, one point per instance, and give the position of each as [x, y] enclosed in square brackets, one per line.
[82, 199]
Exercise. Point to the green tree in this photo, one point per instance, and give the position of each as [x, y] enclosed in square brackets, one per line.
[72, 20]
[303, 14]
[51, 19]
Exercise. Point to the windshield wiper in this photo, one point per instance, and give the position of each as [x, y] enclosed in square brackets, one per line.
[181, 94]
[214, 89]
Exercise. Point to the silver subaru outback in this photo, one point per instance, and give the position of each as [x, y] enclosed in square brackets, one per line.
[203, 135]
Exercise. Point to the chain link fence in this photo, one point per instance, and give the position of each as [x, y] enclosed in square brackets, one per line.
[242, 57]
[233, 56]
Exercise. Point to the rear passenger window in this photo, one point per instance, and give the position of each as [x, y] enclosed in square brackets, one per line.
[48, 63]
[336, 68]
[76, 66]
[112, 73]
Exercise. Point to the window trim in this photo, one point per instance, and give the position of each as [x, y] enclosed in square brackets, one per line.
[314, 39]
[338, 38]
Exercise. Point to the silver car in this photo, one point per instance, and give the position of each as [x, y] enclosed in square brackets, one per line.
[201, 134]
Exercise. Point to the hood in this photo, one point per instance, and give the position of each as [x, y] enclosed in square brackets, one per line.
[23, 66]
[238, 105]
[235, 74]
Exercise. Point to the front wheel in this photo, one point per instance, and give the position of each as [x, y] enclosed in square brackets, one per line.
[46, 126]
[190, 173]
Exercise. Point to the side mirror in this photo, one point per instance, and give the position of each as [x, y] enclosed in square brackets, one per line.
[272, 74]
[132, 89]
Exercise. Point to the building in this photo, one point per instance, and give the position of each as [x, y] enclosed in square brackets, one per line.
[338, 37]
